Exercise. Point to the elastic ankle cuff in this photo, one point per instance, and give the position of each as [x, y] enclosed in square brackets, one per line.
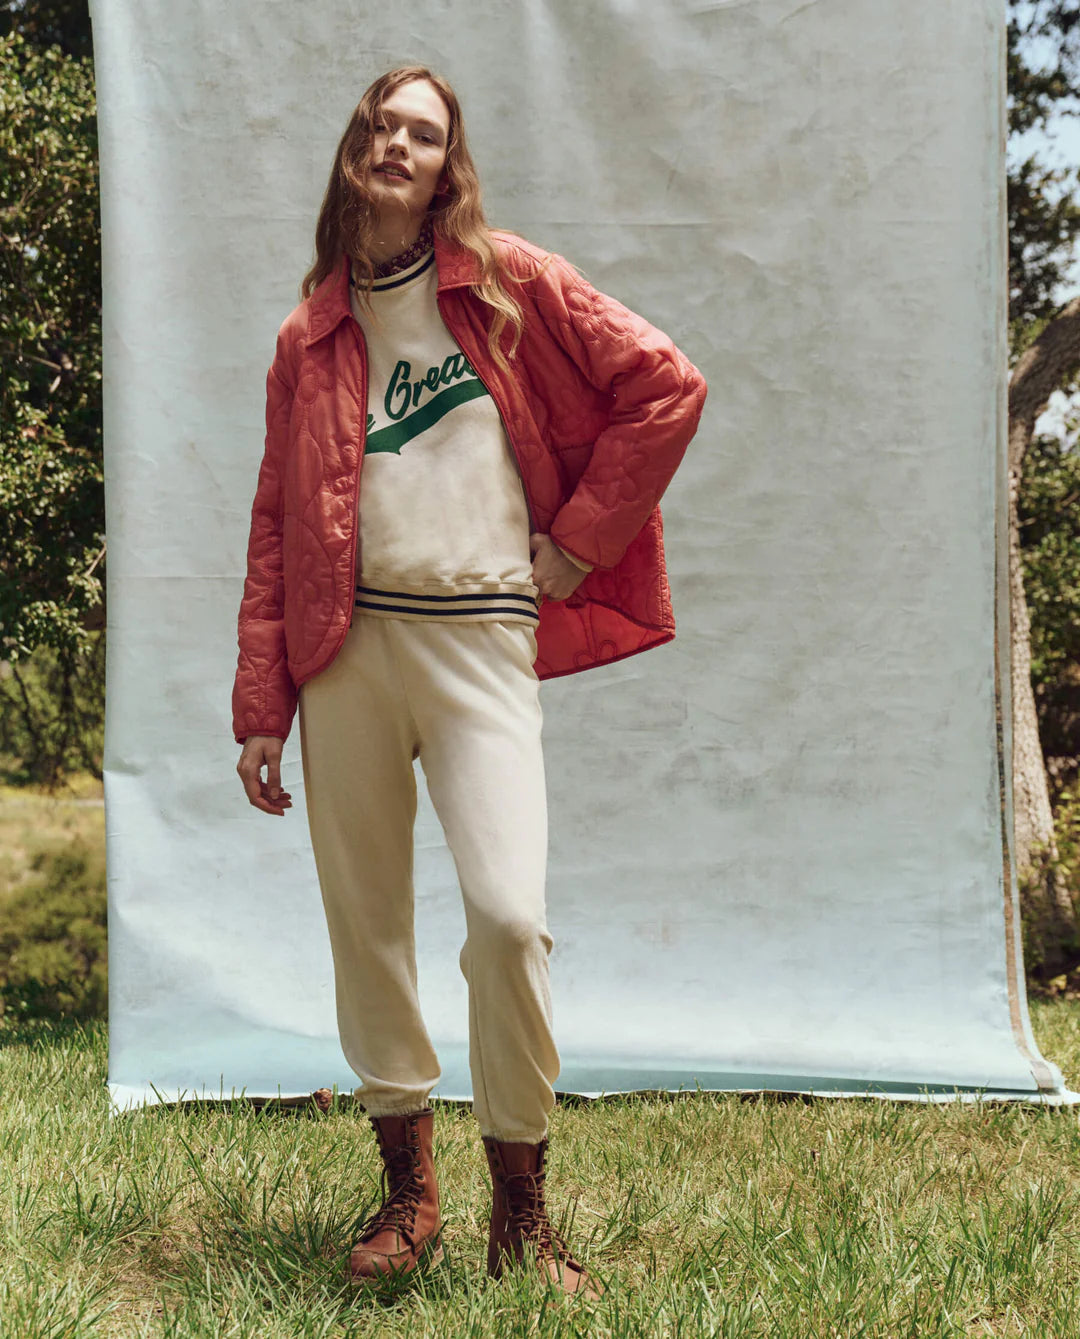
[408, 1109]
[516, 1138]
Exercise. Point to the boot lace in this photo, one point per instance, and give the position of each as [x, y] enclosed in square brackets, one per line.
[402, 1186]
[527, 1214]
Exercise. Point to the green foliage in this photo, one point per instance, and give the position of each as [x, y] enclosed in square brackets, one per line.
[51, 722]
[52, 937]
[1067, 837]
[48, 22]
[51, 477]
[51, 495]
[1068, 830]
[1044, 936]
[1043, 209]
[1044, 223]
[1049, 513]
[52, 543]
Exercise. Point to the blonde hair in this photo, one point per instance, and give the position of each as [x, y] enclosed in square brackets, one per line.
[348, 216]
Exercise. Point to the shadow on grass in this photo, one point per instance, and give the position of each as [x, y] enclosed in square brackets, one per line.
[40, 1033]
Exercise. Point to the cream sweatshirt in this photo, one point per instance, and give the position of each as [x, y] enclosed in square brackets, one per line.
[444, 525]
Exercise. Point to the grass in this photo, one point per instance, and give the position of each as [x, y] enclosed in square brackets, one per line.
[706, 1214]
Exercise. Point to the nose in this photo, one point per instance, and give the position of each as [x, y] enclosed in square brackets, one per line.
[398, 139]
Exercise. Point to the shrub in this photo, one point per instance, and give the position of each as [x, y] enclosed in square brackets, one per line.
[52, 716]
[52, 937]
[1046, 940]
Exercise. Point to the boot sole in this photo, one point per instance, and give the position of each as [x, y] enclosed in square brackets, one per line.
[508, 1265]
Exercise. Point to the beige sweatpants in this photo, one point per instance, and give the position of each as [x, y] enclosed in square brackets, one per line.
[464, 698]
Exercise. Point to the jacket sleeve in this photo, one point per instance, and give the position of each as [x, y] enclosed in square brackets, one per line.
[264, 695]
[657, 398]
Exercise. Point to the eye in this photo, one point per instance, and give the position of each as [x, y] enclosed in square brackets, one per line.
[428, 139]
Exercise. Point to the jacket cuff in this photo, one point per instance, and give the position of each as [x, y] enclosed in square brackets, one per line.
[277, 734]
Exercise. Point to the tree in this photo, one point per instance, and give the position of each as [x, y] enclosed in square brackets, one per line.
[52, 546]
[1049, 362]
[1043, 223]
[52, 531]
[1045, 354]
[45, 23]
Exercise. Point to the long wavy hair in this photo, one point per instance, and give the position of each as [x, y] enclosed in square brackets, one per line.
[348, 217]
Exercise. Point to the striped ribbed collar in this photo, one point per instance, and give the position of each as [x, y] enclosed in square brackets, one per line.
[329, 304]
[400, 277]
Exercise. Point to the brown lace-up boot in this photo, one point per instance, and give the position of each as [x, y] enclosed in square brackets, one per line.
[405, 1232]
[521, 1232]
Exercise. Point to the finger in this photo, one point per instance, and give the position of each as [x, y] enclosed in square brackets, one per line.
[273, 777]
[269, 806]
[251, 783]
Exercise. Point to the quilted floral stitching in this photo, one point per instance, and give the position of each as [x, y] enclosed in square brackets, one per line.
[263, 693]
[600, 409]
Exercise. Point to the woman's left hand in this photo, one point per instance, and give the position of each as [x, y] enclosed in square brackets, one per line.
[554, 574]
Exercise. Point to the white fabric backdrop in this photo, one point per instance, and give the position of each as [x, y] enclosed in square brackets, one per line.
[776, 854]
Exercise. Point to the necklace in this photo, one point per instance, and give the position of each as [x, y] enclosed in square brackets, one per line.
[410, 255]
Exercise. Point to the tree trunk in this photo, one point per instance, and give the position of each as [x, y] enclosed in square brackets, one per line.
[1050, 363]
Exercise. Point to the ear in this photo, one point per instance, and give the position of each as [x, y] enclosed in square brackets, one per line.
[444, 185]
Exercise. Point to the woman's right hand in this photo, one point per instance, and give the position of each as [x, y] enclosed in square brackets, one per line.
[265, 795]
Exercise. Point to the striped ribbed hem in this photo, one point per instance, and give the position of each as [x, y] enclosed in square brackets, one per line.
[467, 607]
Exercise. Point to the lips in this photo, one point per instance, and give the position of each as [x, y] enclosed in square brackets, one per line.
[393, 170]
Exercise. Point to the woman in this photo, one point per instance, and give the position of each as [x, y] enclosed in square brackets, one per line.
[514, 430]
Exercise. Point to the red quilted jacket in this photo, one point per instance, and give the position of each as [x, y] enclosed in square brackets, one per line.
[599, 408]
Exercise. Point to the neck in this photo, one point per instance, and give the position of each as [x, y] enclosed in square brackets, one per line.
[391, 238]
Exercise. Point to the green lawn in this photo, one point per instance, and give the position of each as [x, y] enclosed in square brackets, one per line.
[707, 1215]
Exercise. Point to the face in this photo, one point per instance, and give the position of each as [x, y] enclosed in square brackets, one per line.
[408, 149]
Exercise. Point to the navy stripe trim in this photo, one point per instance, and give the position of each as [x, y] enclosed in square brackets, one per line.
[459, 613]
[441, 599]
[381, 285]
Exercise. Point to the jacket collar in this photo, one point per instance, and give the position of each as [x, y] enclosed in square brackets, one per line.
[329, 304]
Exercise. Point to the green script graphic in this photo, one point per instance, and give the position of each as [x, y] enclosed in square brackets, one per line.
[403, 395]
